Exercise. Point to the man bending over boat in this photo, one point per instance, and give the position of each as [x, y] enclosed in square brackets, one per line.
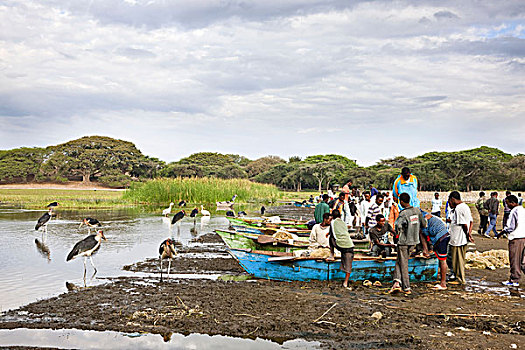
[340, 240]
[320, 232]
[436, 231]
[408, 224]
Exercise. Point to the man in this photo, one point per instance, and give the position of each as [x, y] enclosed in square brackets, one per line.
[515, 230]
[460, 235]
[319, 234]
[377, 237]
[492, 205]
[373, 191]
[483, 213]
[340, 240]
[321, 209]
[436, 205]
[406, 183]
[506, 210]
[408, 224]
[520, 200]
[436, 231]
[347, 189]
[363, 210]
[373, 211]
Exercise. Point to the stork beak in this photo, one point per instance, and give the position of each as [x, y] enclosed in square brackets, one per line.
[102, 235]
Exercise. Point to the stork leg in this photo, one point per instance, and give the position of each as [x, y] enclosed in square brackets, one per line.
[85, 259]
[91, 260]
[161, 269]
[169, 267]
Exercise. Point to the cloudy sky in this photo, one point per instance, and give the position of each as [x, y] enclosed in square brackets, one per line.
[366, 79]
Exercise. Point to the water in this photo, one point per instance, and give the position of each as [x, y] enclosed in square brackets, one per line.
[73, 338]
[32, 271]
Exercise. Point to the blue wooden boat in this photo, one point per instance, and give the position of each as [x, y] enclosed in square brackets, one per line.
[284, 266]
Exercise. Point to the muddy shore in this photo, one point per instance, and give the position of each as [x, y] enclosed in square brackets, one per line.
[480, 316]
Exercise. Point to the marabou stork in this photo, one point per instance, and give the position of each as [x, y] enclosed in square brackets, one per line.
[86, 248]
[263, 209]
[44, 219]
[178, 217]
[167, 211]
[166, 251]
[193, 215]
[230, 213]
[241, 213]
[182, 203]
[90, 222]
[204, 212]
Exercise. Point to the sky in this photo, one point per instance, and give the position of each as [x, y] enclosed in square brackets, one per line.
[369, 80]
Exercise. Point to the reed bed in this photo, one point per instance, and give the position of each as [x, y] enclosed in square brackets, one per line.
[71, 199]
[200, 190]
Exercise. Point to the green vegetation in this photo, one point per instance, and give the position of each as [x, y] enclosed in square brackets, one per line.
[117, 163]
[67, 199]
[199, 190]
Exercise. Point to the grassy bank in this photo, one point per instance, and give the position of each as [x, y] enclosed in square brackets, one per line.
[199, 190]
[70, 199]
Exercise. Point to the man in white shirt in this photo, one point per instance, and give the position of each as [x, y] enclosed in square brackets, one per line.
[363, 211]
[319, 234]
[436, 205]
[515, 230]
[460, 234]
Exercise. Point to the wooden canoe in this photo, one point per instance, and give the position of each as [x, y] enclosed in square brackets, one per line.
[284, 266]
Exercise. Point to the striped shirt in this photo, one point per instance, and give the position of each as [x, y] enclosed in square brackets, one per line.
[372, 212]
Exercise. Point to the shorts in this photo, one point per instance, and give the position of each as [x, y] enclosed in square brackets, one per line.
[441, 247]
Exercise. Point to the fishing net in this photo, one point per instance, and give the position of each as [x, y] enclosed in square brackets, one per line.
[492, 259]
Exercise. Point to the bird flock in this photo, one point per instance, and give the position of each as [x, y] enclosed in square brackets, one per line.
[91, 244]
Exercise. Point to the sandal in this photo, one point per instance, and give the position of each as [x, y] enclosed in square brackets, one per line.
[407, 292]
[347, 287]
[439, 287]
[394, 290]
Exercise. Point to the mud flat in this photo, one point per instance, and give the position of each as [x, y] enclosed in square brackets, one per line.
[482, 315]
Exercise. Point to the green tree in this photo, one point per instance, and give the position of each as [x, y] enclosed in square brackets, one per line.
[263, 164]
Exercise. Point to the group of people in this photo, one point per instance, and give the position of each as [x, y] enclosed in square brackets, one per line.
[397, 223]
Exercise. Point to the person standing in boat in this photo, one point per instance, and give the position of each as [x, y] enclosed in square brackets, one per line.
[320, 232]
[363, 211]
[321, 209]
[408, 224]
[340, 240]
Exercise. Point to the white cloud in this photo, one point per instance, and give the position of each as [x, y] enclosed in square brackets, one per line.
[261, 78]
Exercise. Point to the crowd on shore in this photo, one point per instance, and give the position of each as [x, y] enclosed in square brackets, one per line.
[394, 222]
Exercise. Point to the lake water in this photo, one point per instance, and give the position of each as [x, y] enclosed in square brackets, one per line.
[30, 272]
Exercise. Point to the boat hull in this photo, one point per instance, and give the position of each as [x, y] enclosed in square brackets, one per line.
[259, 265]
[249, 241]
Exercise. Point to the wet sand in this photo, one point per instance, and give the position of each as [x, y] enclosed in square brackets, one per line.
[458, 318]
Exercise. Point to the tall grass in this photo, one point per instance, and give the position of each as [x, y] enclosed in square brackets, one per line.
[199, 190]
[71, 199]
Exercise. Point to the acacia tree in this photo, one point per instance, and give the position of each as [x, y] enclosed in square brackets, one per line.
[93, 156]
[323, 172]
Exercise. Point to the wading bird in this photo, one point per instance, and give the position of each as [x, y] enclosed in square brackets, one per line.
[167, 251]
[193, 215]
[204, 212]
[86, 248]
[241, 213]
[90, 222]
[230, 213]
[182, 203]
[167, 211]
[44, 219]
[263, 209]
[178, 217]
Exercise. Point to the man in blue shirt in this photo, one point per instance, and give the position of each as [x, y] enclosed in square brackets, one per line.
[436, 232]
[406, 183]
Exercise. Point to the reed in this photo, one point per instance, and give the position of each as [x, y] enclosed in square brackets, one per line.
[199, 190]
